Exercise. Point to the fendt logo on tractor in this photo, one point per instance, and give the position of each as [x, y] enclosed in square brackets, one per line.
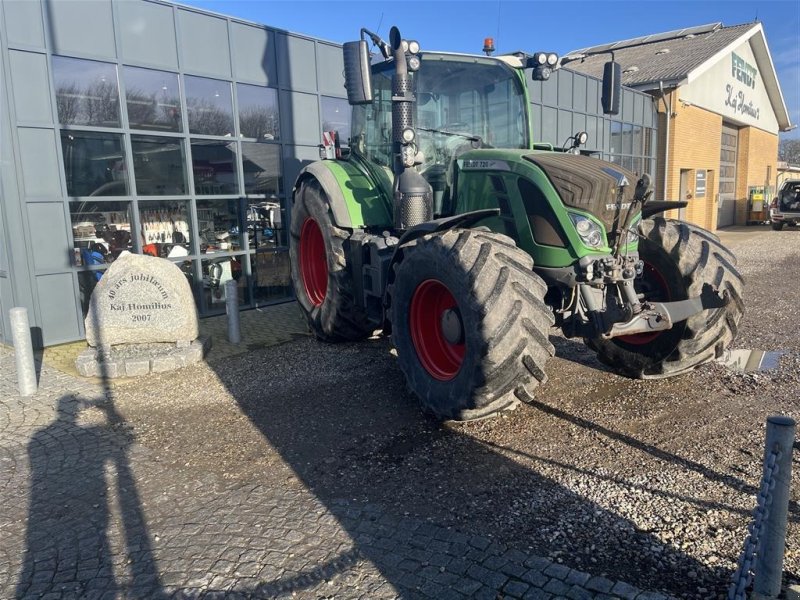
[444, 225]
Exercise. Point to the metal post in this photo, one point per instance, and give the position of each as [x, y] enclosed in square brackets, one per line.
[23, 350]
[232, 310]
[769, 558]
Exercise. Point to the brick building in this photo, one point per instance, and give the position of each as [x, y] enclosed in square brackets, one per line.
[720, 109]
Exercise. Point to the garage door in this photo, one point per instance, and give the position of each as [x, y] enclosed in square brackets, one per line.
[726, 214]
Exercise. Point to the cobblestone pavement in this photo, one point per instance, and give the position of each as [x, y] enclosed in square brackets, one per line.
[87, 512]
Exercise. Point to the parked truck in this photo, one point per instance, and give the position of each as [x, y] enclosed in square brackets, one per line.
[446, 226]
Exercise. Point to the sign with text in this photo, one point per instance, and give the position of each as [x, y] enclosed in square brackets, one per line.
[734, 88]
[141, 299]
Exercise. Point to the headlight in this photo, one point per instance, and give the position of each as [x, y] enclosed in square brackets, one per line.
[588, 230]
[552, 59]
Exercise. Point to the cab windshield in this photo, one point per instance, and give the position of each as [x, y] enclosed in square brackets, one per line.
[462, 103]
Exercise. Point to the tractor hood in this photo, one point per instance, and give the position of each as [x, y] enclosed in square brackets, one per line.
[595, 186]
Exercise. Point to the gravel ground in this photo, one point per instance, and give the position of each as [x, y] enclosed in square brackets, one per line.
[646, 482]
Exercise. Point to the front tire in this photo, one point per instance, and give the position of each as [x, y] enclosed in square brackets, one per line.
[469, 323]
[777, 225]
[320, 275]
[680, 259]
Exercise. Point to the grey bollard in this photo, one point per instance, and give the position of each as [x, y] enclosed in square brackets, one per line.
[232, 310]
[23, 350]
[769, 560]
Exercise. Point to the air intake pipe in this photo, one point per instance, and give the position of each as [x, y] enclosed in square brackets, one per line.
[413, 195]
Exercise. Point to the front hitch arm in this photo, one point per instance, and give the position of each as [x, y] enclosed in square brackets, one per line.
[659, 316]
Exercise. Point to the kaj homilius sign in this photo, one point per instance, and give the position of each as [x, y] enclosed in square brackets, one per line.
[141, 299]
[736, 97]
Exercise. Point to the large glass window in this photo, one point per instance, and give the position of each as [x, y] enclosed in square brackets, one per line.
[100, 230]
[209, 106]
[271, 276]
[214, 167]
[336, 117]
[262, 168]
[86, 92]
[217, 271]
[153, 99]
[266, 224]
[166, 230]
[258, 112]
[158, 165]
[94, 163]
[220, 225]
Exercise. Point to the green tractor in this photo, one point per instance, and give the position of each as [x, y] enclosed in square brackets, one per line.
[446, 226]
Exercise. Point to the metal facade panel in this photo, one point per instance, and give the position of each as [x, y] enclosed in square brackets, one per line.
[565, 88]
[254, 54]
[330, 70]
[58, 308]
[294, 159]
[626, 113]
[300, 118]
[550, 91]
[48, 234]
[549, 124]
[593, 105]
[30, 87]
[24, 25]
[83, 27]
[147, 34]
[579, 92]
[39, 161]
[595, 134]
[204, 44]
[296, 63]
[565, 128]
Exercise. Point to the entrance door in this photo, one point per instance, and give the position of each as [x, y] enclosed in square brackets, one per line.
[726, 207]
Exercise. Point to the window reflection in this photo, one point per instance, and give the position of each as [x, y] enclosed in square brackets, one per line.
[262, 168]
[216, 273]
[86, 92]
[166, 230]
[258, 112]
[219, 223]
[152, 99]
[265, 224]
[158, 165]
[271, 276]
[94, 163]
[336, 117]
[214, 167]
[209, 106]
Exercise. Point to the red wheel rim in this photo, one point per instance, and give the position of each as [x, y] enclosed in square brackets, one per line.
[313, 262]
[659, 292]
[441, 358]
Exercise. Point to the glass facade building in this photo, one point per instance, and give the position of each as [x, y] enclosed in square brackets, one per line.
[148, 127]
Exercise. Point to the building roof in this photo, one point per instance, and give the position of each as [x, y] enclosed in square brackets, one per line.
[677, 57]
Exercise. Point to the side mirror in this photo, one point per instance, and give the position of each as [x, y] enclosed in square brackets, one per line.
[612, 87]
[357, 79]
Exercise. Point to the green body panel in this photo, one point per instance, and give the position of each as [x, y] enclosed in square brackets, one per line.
[475, 191]
[363, 191]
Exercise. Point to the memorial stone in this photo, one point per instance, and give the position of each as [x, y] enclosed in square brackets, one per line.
[139, 300]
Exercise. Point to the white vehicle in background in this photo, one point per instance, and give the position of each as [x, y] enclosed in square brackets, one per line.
[785, 207]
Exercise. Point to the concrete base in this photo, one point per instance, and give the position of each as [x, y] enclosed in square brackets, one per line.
[133, 360]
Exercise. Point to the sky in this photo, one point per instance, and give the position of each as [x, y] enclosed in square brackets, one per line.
[462, 25]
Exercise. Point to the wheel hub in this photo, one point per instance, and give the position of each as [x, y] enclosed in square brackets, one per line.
[313, 262]
[437, 330]
[452, 327]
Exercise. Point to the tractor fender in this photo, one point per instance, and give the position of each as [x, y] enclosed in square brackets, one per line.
[438, 225]
[330, 185]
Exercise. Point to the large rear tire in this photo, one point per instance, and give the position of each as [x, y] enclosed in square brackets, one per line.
[322, 281]
[469, 323]
[680, 258]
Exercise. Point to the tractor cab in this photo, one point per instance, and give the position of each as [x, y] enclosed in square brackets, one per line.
[463, 103]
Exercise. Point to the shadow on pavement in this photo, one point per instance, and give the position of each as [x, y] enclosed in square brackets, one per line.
[356, 438]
